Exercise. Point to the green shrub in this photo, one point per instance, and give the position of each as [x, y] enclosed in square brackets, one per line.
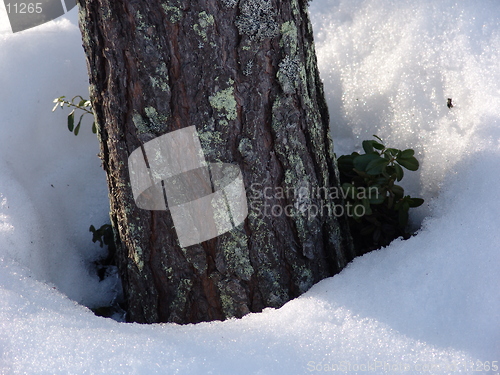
[376, 206]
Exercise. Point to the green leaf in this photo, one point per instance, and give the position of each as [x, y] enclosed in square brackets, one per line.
[382, 181]
[362, 176]
[390, 171]
[403, 218]
[71, 120]
[345, 163]
[399, 172]
[358, 211]
[377, 199]
[378, 196]
[378, 146]
[360, 162]
[77, 96]
[415, 202]
[392, 151]
[94, 128]
[409, 163]
[390, 202]
[349, 190]
[407, 153]
[398, 191]
[368, 146]
[366, 205]
[376, 166]
[77, 129]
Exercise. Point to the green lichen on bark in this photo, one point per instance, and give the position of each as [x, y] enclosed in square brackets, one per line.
[197, 257]
[174, 13]
[289, 41]
[274, 292]
[290, 67]
[86, 38]
[151, 122]
[205, 20]
[212, 143]
[157, 121]
[142, 26]
[160, 79]
[224, 101]
[233, 297]
[138, 258]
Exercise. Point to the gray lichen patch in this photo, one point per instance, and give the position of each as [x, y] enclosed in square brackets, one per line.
[233, 298]
[289, 74]
[289, 39]
[304, 278]
[275, 294]
[248, 68]
[223, 100]
[178, 305]
[257, 19]
[87, 39]
[196, 256]
[291, 150]
[245, 148]
[229, 3]
[205, 20]
[234, 247]
[161, 79]
[142, 26]
[139, 123]
[152, 122]
[296, 8]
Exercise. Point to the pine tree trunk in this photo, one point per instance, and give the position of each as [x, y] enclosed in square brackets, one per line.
[244, 73]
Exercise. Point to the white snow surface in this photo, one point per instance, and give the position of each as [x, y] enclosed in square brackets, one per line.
[426, 305]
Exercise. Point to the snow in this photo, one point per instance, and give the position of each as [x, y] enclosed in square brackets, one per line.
[426, 305]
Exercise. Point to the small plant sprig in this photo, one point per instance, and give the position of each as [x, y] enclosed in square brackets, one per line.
[376, 219]
[103, 235]
[82, 104]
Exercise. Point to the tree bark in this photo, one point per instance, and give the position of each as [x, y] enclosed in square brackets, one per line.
[244, 73]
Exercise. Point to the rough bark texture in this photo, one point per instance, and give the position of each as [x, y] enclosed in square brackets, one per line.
[244, 73]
